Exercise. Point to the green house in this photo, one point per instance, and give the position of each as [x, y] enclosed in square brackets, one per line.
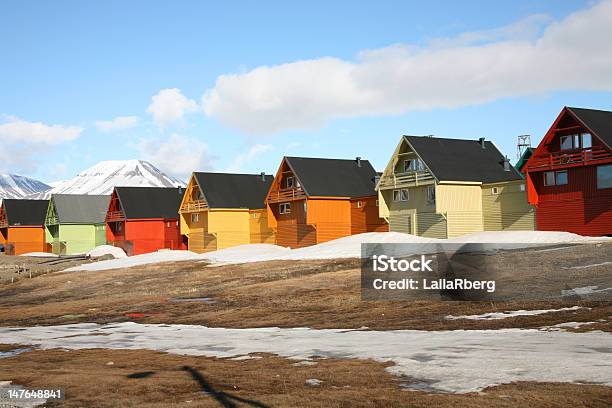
[75, 223]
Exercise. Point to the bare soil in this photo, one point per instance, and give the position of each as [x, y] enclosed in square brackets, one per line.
[140, 378]
[318, 294]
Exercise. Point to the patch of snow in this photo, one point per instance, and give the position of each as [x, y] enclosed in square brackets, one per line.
[584, 290]
[136, 260]
[567, 325]
[350, 247]
[525, 237]
[313, 382]
[102, 250]
[514, 313]
[456, 361]
[40, 255]
[589, 266]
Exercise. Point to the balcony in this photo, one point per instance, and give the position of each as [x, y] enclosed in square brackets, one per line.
[289, 194]
[52, 220]
[194, 206]
[3, 223]
[408, 179]
[568, 159]
[115, 216]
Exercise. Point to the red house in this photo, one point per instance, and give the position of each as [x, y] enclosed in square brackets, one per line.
[144, 219]
[569, 175]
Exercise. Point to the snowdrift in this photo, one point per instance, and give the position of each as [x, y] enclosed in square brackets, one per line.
[347, 247]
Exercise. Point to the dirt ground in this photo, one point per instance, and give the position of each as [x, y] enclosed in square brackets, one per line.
[140, 378]
[318, 294]
[14, 268]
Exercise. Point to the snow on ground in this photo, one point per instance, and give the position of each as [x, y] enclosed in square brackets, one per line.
[568, 325]
[584, 290]
[526, 237]
[144, 259]
[347, 247]
[40, 255]
[514, 313]
[451, 361]
[107, 250]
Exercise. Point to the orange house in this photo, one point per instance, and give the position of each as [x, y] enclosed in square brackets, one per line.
[314, 200]
[22, 226]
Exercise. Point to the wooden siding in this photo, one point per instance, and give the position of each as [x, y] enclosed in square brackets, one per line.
[463, 222]
[431, 225]
[260, 232]
[364, 216]
[23, 239]
[508, 210]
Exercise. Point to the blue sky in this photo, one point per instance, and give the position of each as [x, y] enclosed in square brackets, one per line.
[240, 84]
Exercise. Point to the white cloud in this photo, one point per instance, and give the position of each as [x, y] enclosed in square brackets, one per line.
[247, 157]
[18, 130]
[170, 105]
[178, 156]
[572, 54]
[118, 123]
[22, 141]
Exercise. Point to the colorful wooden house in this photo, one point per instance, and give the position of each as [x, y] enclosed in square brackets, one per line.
[75, 223]
[144, 219]
[221, 210]
[569, 176]
[316, 200]
[22, 226]
[442, 188]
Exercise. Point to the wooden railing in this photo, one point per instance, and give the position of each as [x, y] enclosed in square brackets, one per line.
[51, 221]
[286, 195]
[115, 216]
[559, 159]
[412, 178]
[194, 206]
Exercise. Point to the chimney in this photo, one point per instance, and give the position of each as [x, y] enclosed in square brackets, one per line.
[482, 142]
[263, 176]
[506, 163]
[358, 160]
[180, 190]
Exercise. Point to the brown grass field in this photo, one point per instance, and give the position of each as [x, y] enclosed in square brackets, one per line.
[318, 294]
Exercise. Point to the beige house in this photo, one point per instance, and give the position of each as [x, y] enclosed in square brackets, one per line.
[443, 188]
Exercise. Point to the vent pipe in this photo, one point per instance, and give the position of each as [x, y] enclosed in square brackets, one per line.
[506, 163]
[358, 160]
[482, 142]
[263, 176]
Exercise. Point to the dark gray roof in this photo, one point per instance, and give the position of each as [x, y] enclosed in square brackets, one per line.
[25, 212]
[149, 202]
[226, 190]
[333, 177]
[80, 209]
[598, 121]
[462, 160]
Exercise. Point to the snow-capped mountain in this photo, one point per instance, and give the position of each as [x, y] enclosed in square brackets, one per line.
[13, 186]
[104, 176]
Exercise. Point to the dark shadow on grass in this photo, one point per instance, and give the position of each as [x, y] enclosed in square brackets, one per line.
[223, 398]
[144, 374]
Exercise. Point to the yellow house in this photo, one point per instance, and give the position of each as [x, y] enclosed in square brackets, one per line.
[443, 188]
[221, 210]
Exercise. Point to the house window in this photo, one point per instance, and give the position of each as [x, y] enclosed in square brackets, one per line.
[604, 176]
[285, 208]
[555, 178]
[400, 195]
[561, 178]
[576, 141]
[413, 165]
[377, 203]
[290, 182]
[431, 194]
[522, 187]
[358, 204]
[495, 190]
[195, 217]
